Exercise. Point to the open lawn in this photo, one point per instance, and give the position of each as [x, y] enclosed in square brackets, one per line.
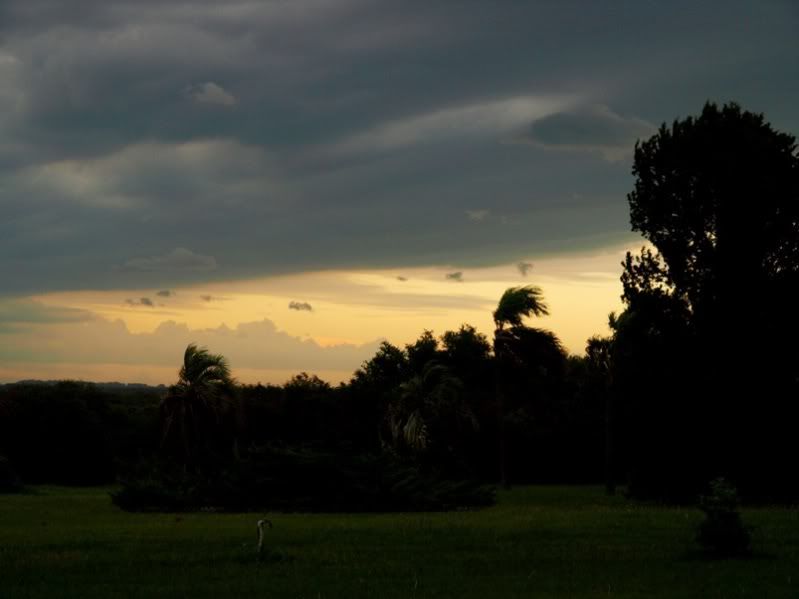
[537, 542]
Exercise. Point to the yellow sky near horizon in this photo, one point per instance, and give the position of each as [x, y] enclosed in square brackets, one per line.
[353, 307]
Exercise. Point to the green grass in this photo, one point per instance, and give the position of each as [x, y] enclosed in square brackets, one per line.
[537, 542]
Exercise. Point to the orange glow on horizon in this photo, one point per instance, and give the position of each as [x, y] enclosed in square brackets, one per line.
[354, 308]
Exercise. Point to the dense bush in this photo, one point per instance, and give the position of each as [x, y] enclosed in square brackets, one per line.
[721, 532]
[295, 480]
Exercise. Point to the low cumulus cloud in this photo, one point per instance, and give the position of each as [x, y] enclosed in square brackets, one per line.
[454, 276]
[179, 259]
[524, 268]
[591, 128]
[258, 344]
[142, 301]
[211, 93]
[300, 306]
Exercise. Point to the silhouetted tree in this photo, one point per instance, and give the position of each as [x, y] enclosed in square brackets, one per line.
[421, 352]
[194, 403]
[467, 353]
[427, 412]
[718, 198]
[386, 370]
[515, 304]
[598, 356]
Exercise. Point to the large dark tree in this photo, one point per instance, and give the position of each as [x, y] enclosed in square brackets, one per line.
[718, 198]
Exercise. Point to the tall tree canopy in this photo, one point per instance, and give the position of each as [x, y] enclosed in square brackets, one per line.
[718, 196]
[711, 314]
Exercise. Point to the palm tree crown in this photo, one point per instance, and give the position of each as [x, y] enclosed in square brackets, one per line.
[513, 306]
[203, 381]
[518, 302]
[428, 402]
[204, 374]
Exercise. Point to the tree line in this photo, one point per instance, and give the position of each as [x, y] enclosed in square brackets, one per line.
[698, 379]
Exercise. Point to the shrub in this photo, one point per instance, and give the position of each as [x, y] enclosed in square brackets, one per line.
[721, 532]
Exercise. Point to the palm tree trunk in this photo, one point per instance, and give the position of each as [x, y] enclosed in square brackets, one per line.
[501, 440]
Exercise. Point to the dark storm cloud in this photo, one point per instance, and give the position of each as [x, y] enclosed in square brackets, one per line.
[154, 143]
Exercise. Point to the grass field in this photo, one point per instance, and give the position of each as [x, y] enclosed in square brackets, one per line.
[537, 542]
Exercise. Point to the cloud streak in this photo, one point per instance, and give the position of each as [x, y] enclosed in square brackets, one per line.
[485, 118]
[17, 313]
[211, 93]
[179, 259]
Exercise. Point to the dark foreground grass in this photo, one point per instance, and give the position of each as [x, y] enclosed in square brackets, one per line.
[537, 542]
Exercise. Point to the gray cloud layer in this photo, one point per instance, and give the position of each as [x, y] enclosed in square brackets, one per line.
[149, 144]
[16, 315]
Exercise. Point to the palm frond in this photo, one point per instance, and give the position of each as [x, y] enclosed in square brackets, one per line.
[518, 302]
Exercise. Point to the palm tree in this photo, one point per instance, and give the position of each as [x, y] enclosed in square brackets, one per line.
[515, 304]
[425, 407]
[193, 403]
[518, 302]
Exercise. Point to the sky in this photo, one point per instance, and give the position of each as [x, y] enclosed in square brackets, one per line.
[291, 182]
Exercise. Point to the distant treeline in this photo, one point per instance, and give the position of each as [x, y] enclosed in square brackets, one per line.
[81, 433]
